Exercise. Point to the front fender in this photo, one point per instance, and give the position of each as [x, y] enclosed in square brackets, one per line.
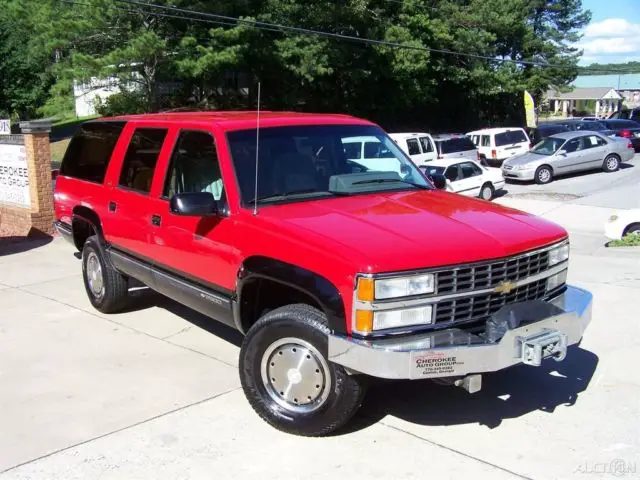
[325, 293]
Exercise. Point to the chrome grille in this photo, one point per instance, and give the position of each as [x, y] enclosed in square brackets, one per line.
[488, 275]
[481, 306]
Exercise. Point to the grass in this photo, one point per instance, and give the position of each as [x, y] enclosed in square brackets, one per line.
[57, 152]
[631, 240]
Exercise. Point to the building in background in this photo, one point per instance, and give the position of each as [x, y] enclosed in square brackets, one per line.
[628, 86]
[597, 101]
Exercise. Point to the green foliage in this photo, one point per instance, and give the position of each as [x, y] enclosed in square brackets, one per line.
[631, 240]
[162, 62]
[613, 68]
[122, 103]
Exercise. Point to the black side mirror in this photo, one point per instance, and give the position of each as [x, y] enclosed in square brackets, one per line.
[199, 204]
[439, 181]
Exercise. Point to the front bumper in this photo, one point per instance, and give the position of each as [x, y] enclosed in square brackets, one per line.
[523, 175]
[530, 328]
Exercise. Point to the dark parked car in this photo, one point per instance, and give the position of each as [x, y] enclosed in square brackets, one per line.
[625, 129]
[542, 131]
[627, 114]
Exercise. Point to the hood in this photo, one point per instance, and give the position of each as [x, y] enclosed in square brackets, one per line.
[527, 158]
[411, 230]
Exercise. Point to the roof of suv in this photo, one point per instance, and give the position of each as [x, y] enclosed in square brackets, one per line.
[238, 120]
[491, 131]
[441, 137]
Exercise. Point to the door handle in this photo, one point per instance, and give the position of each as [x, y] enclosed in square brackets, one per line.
[113, 206]
[156, 220]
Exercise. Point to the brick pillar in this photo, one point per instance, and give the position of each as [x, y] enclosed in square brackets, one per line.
[38, 150]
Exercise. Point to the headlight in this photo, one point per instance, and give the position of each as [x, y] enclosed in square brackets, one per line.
[559, 254]
[402, 318]
[557, 280]
[522, 167]
[403, 286]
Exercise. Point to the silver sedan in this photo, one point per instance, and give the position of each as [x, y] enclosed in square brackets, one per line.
[568, 152]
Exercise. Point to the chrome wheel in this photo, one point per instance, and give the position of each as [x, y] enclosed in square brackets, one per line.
[612, 164]
[94, 275]
[544, 175]
[295, 375]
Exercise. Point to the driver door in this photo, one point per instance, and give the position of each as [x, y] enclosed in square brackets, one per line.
[195, 249]
[573, 157]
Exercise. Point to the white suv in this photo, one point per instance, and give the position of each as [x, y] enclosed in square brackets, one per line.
[495, 145]
[419, 146]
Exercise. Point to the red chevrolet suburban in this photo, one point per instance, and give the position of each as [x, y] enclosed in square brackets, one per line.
[334, 271]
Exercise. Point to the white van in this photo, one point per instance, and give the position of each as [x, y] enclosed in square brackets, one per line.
[370, 153]
[418, 146]
[495, 145]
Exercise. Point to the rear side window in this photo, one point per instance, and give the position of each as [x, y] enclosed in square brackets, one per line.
[377, 150]
[486, 141]
[453, 145]
[413, 146]
[89, 152]
[426, 144]
[352, 150]
[509, 138]
[140, 160]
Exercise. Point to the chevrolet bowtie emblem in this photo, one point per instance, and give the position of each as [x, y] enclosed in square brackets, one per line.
[505, 287]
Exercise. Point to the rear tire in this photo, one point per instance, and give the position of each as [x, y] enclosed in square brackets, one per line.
[288, 379]
[633, 229]
[611, 163]
[106, 288]
[543, 175]
[487, 191]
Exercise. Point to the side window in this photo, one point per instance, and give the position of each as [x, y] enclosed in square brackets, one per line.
[601, 141]
[452, 173]
[572, 145]
[194, 166]
[141, 157]
[486, 141]
[469, 170]
[427, 147]
[352, 150]
[413, 146]
[90, 150]
[377, 150]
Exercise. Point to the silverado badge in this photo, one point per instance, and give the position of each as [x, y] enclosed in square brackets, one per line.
[505, 287]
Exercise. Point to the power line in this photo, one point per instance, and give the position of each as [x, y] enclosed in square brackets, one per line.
[218, 19]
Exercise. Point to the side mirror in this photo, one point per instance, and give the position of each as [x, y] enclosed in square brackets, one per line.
[199, 204]
[562, 153]
[439, 181]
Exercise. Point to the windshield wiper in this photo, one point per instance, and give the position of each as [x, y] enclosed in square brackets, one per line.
[388, 180]
[289, 193]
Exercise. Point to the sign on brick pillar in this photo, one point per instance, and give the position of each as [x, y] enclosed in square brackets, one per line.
[36, 142]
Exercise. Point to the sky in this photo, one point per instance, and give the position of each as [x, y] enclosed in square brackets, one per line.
[613, 36]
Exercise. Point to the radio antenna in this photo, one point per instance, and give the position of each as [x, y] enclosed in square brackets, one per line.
[255, 198]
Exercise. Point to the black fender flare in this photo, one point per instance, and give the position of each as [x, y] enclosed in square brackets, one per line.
[85, 214]
[321, 290]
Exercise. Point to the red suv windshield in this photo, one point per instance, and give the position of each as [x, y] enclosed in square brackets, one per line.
[306, 160]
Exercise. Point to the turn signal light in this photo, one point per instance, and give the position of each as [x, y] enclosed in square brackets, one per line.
[364, 321]
[365, 289]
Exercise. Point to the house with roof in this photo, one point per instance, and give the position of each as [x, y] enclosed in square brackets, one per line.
[595, 100]
[596, 94]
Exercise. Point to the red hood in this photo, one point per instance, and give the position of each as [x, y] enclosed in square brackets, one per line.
[410, 230]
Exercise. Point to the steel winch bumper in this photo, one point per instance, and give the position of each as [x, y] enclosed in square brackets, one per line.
[525, 332]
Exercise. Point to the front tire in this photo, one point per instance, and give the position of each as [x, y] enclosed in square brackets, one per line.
[611, 163]
[543, 175]
[633, 229]
[106, 288]
[487, 191]
[288, 379]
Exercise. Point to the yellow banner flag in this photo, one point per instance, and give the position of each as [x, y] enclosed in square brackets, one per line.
[530, 109]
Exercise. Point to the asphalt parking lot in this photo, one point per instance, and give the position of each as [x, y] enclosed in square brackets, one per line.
[154, 393]
[595, 188]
